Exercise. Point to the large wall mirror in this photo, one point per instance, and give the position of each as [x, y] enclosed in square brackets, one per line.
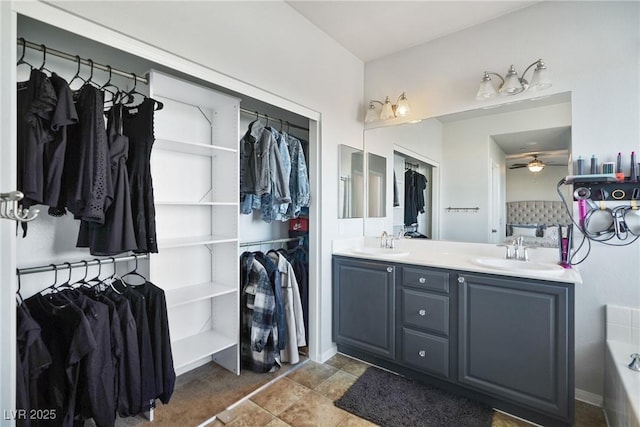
[350, 182]
[480, 160]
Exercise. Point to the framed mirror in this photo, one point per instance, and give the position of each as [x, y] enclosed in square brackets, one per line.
[350, 182]
[376, 186]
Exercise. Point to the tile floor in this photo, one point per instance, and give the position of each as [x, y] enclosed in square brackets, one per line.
[298, 396]
[304, 397]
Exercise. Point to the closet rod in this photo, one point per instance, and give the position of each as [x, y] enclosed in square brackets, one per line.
[95, 261]
[263, 242]
[83, 61]
[266, 117]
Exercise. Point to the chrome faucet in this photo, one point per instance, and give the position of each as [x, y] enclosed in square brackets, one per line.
[517, 250]
[387, 241]
[383, 239]
[635, 362]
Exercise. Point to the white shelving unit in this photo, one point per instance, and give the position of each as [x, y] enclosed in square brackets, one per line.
[195, 170]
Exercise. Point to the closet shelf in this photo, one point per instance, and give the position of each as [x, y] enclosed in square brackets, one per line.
[195, 347]
[194, 241]
[193, 293]
[191, 147]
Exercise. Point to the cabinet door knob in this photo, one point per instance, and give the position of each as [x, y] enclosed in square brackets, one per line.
[461, 280]
[422, 353]
[422, 312]
[389, 269]
[422, 280]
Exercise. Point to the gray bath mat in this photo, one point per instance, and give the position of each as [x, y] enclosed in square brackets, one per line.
[390, 400]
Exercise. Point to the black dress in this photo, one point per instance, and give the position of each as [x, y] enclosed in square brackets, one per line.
[138, 126]
[116, 234]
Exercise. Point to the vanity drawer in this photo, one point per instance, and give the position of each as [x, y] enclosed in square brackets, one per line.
[425, 278]
[426, 311]
[425, 352]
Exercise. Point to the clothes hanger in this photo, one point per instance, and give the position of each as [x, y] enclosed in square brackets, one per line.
[83, 281]
[77, 75]
[21, 60]
[19, 298]
[97, 277]
[52, 287]
[114, 278]
[134, 273]
[108, 84]
[44, 60]
[128, 98]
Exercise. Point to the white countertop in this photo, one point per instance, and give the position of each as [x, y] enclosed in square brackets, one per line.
[472, 257]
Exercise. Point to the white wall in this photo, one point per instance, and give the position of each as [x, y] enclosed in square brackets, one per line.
[592, 50]
[270, 52]
[522, 184]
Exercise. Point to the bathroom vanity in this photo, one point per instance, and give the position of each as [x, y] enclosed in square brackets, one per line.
[444, 313]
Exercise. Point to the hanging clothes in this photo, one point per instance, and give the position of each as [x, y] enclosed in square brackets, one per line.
[129, 372]
[67, 335]
[273, 174]
[138, 127]
[36, 104]
[146, 365]
[156, 306]
[117, 233]
[259, 328]
[88, 185]
[32, 360]
[296, 336]
[64, 117]
[414, 203]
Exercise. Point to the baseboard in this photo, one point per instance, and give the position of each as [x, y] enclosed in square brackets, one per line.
[590, 398]
[333, 350]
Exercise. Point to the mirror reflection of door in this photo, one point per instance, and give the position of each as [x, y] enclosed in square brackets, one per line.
[412, 207]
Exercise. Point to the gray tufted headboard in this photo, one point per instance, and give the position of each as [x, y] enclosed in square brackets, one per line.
[537, 212]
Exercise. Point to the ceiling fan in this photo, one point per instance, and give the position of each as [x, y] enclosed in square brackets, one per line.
[535, 165]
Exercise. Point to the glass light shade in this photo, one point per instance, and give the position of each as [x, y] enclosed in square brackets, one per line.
[486, 90]
[387, 110]
[512, 83]
[371, 115]
[535, 166]
[541, 78]
[403, 109]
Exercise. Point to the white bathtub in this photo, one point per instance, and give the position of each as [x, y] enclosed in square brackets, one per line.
[622, 386]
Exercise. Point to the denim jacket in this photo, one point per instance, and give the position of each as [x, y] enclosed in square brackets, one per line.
[299, 182]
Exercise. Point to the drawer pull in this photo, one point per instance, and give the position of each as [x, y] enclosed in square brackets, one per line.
[422, 280]
[422, 353]
[422, 312]
[389, 269]
[461, 280]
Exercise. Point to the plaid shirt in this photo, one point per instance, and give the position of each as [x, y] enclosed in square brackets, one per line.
[259, 350]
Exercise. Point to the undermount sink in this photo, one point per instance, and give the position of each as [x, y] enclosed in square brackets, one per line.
[368, 250]
[531, 267]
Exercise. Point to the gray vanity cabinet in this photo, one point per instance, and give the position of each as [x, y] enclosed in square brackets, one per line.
[515, 341]
[364, 306]
[502, 340]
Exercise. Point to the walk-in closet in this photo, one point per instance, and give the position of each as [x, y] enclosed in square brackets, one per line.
[200, 222]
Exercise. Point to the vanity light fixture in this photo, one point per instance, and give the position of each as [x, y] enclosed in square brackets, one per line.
[511, 84]
[389, 111]
[535, 165]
